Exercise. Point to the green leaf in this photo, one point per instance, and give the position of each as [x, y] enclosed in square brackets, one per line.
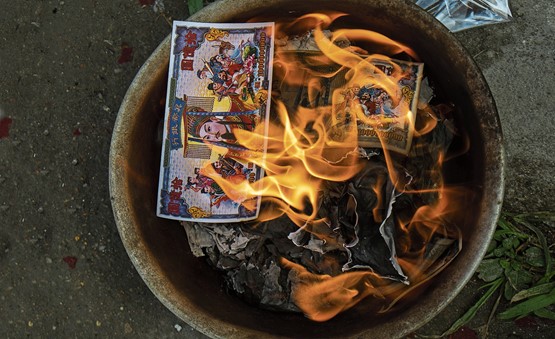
[490, 270]
[534, 257]
[502, 234]
[465, 318]
[506, 225]
[508, 243]
[533, 291]
[194, 6]
[516, 265]
[529, 306]
[543, 243]
[519, 279]
[545, 313]
[499, 252]
[508, 291]
[547, 277]
[542, 216]
[492, 246]
[505, 264]
[499, 235]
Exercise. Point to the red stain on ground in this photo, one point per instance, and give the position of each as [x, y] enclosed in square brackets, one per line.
[5, 124]
[70, 261]
[126, 54]
[526, 322]
[76, 132]
[146, 2]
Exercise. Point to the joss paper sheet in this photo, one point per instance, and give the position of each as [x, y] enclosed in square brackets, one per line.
[219, 82]
[391, 115]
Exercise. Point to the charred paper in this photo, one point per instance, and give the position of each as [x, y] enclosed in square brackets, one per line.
[362, 223]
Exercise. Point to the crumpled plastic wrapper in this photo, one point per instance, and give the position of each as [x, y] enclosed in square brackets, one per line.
[458, 15]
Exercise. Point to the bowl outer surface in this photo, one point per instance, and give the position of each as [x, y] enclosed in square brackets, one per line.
[158, 247]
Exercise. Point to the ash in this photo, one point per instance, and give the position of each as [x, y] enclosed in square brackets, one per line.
[357, 230]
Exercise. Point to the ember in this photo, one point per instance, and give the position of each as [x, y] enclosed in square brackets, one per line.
[354, 204]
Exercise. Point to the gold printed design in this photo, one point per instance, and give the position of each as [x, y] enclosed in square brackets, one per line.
[215, 34]
[407, 93]
[197, 212]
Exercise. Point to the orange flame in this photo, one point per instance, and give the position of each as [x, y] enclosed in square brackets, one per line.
[296, 162]
[311, 145]
[322, 297]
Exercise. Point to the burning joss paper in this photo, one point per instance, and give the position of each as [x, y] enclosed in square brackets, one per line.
[387, 103]
[219, 85]
[353, 203]
[381, 94]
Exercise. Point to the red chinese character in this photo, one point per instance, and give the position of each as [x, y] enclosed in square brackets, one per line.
[191, 39]
[189, 52]
[187, 64]
[174, 196]
[176, 184]
[173, 208]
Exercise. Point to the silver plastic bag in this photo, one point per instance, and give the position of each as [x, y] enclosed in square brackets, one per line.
[458, 15]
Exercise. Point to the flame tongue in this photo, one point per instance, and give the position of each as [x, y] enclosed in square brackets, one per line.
[322, 297]
[301, 153]
[317, 175]
[313, 143]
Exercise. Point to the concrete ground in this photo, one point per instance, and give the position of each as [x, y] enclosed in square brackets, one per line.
[64, 69]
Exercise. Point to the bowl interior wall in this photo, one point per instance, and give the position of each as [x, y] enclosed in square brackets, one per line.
[186, 284]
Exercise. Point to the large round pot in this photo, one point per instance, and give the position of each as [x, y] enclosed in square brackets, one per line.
[193, 291]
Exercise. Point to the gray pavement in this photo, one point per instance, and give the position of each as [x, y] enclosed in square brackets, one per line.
[64, 69]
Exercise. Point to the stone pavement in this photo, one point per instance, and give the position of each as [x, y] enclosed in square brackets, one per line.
[64, 69]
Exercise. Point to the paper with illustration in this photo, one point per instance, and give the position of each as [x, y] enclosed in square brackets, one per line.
[219, 82]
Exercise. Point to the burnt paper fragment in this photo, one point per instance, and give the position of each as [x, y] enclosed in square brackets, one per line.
[361, 223]
[357, 222]
[375, 248]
